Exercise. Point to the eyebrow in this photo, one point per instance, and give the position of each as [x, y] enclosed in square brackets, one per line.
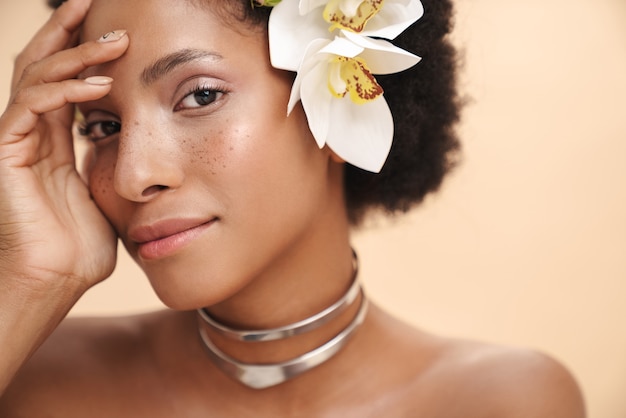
[170, 62]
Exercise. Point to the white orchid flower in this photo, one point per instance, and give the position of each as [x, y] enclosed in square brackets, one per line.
[293, 25]
[343, 102]
[329, 43]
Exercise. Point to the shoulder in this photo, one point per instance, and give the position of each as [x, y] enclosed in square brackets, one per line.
[83, 355]
[504, 381]
[87, 341]
[462, 378]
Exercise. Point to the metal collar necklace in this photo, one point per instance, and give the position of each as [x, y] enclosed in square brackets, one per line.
[296, 328]
[261, 376]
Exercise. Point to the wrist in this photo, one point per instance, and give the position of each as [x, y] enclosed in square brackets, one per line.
[30, 310]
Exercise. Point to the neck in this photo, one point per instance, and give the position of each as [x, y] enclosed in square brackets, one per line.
[268, 304]
[305, 278]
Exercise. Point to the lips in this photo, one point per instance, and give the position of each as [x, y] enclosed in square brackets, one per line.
[165, 238]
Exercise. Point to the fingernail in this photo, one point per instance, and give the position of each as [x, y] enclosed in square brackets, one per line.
[98, 80]
[112, 36]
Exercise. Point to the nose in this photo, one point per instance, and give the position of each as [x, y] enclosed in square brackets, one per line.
[146, 164]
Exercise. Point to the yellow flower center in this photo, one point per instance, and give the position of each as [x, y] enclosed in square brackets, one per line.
[352, 75]
[351, 15]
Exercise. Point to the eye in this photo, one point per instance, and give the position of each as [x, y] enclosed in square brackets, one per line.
[200, 97]
[97, 131]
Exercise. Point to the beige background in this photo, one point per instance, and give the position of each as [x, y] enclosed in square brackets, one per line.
[525, 244]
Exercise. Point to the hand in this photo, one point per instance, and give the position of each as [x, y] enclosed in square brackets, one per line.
[51, 231]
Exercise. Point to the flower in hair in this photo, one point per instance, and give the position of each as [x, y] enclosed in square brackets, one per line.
[335, 47]
[267, 3]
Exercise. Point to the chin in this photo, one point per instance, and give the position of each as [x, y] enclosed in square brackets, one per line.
[185, 292]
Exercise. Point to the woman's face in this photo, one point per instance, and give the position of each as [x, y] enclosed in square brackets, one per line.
[206, 180]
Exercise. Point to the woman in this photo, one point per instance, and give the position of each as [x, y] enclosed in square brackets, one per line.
[234, 185]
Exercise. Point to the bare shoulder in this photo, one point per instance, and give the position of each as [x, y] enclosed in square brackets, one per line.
[463, 378]
[82, 356]
[511, 382]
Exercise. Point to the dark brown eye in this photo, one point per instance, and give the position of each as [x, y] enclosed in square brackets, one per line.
[95, 131]
[199, 98]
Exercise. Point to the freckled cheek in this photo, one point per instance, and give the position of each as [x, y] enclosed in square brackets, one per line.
[244, 142]
[100, 181]
[214, 149]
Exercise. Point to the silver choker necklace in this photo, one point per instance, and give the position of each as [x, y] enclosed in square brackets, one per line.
[295, 328]
[261, 376]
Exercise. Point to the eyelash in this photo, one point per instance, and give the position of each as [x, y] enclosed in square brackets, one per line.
[86, 130]
[215, 92]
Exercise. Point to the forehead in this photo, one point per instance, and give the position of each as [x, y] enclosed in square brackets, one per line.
[148, 20]
[160, 27]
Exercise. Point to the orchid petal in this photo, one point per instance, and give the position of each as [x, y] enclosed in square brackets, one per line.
[352, 75]
[349, 7]
[382, 57]
[390, 21]
[294, 96]
[310, 59]
[317, 102]
[289, 34]
[394, 18]
[351, 14]
[307, 5]
[336, 82]
[348, 72]
[342, 47]
[308, 87]
[361, 134]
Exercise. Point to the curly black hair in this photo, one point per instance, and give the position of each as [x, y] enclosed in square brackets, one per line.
[426, 109]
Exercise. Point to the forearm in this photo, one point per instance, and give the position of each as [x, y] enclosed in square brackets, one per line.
[27, 317]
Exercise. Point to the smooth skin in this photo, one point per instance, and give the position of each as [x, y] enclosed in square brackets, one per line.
[224, 202]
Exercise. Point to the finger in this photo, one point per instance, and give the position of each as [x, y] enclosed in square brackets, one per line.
[70, 62]
[54, 36]
[22, 115]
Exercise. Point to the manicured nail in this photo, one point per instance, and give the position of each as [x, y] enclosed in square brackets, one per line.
[99, 80]
[112, 36]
